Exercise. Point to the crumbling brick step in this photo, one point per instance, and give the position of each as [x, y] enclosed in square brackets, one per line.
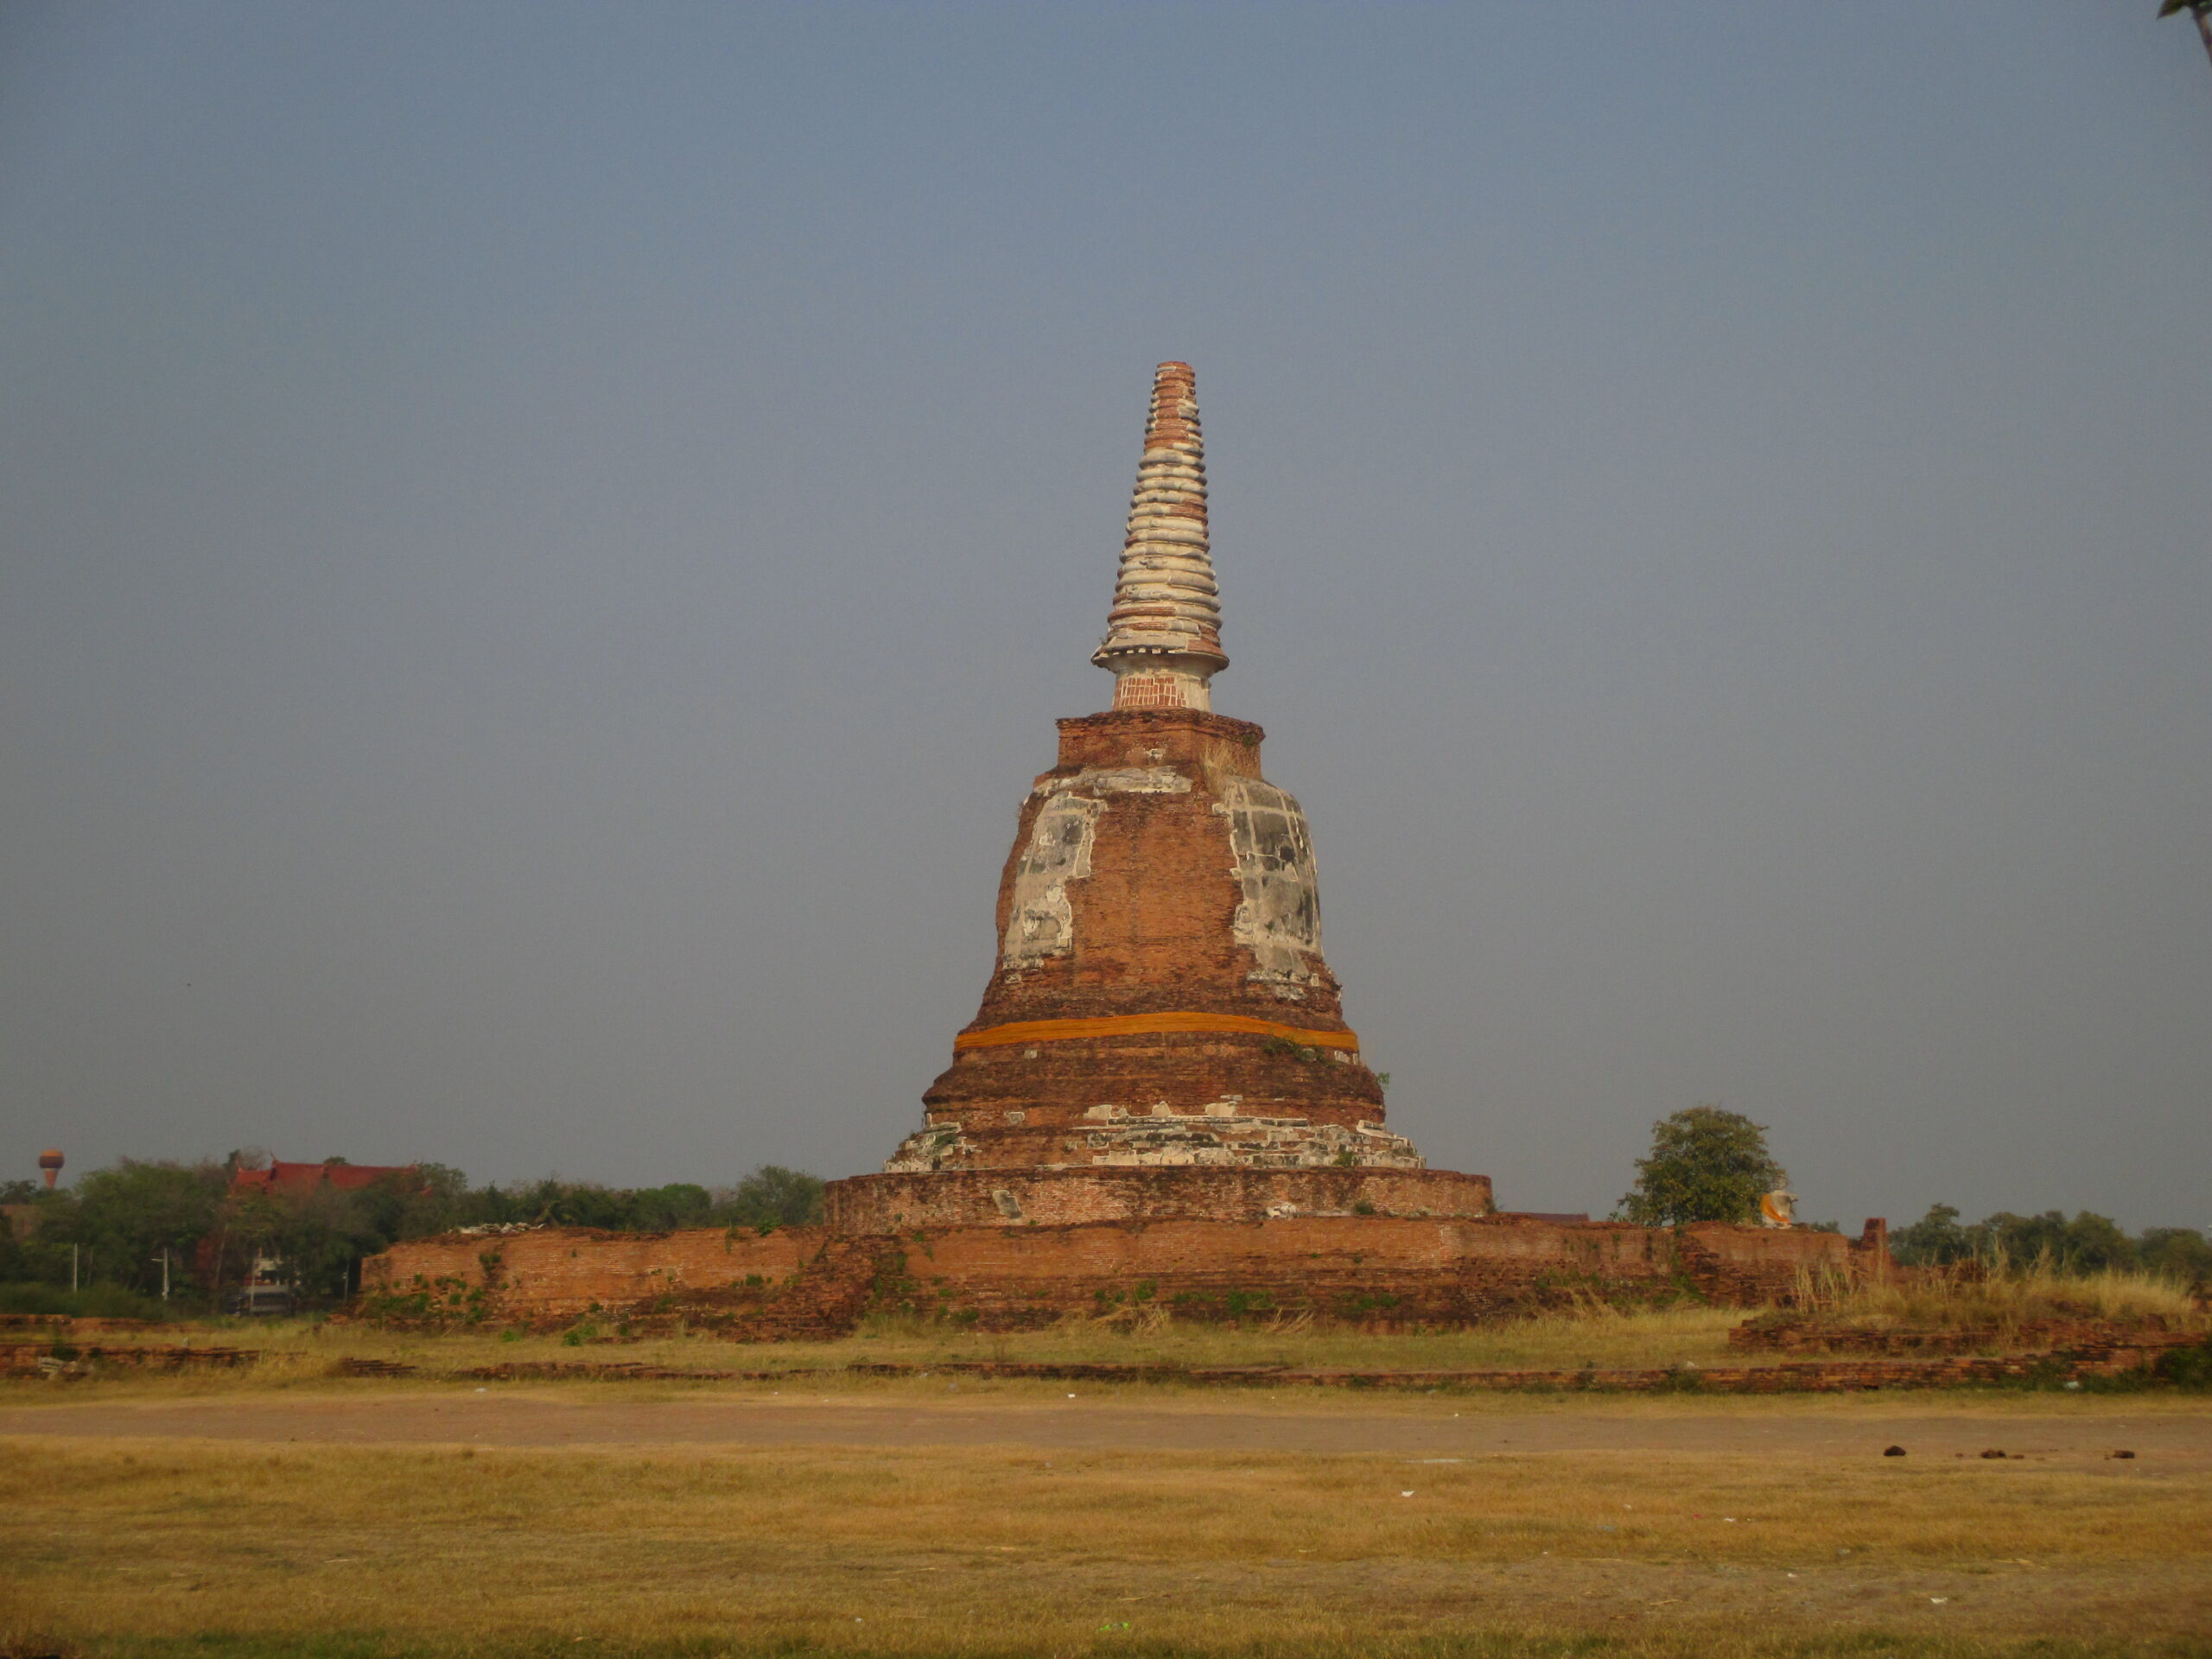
[1798, 1376]
[68, 1359]
[1790, 1376]
[1811, 1334]
[555, 1370]
[612, 1371]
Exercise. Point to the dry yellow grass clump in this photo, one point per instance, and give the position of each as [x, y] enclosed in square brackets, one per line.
[2007, 1300]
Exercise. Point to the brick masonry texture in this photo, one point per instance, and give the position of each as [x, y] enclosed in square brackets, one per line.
[566, 1271]
[891, 1203]
[1815, 1335]
[1154, 870]
[63, 1356]
[1381, 1270]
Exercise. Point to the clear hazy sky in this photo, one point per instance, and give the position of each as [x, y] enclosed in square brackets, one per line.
[540, 546]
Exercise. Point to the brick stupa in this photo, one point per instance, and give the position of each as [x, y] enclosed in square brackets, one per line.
[1161, 1037]
[1159, 1105]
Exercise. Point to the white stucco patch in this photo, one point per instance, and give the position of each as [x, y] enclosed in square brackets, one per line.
[927, 1149]
[1247, 1142]
[1042, 922]
[1280, 916]
[1122, 780]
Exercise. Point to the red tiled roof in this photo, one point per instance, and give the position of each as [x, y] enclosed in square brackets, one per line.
[281, 1177]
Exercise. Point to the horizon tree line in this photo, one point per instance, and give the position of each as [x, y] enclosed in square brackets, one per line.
[120, 1233]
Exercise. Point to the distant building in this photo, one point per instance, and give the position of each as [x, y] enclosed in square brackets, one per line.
[295, 1180]
[270, 1288]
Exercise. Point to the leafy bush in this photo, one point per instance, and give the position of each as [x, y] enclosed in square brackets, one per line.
[2177, 1253]
[115, 1224]
[2189, 1367]
[772, 1196]
[1705, 1165]
[94, 1302]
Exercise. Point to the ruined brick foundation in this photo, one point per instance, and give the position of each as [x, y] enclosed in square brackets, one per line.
[1380, 1270]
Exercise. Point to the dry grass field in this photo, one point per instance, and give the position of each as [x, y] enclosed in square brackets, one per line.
[1563, 1525]
[278, 1510]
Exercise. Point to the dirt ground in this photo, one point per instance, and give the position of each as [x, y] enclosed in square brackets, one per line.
[2078, 1432]
[144, 1519]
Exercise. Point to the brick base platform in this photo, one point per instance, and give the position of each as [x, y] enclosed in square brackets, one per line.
[1380, 1270]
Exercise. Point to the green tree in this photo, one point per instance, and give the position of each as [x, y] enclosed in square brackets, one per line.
[123, 1218]
[2088, 1243]
[1935, 1240]
[2005, 1240]
[2097, 1244]
[246, 1224]
[664, 1208]
[19, 1263]
[772, 1196]
[2180, 1253]
[1705, 1165]
[447, 1202]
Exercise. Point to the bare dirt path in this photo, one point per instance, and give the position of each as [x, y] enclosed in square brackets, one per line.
[2070, 1430]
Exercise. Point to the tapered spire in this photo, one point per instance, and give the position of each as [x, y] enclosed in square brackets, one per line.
[1163, 636]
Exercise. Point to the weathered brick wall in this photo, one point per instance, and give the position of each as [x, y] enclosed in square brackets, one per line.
[566, 1270]
[1381, 1269]
[1016, 1105]
[891, 1203]
[1386, 1269]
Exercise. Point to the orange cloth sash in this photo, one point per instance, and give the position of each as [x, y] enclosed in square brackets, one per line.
[1129, 1024]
